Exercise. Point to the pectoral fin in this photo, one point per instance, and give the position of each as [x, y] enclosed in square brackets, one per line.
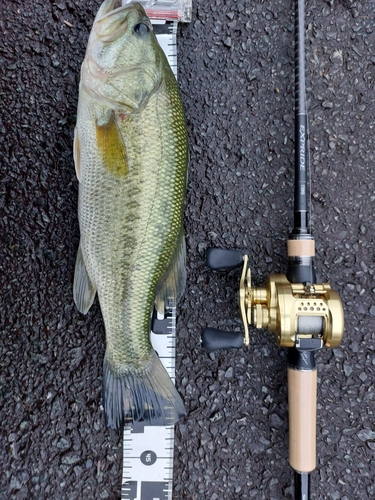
[174, 280]
[111, 146]
[83, 289]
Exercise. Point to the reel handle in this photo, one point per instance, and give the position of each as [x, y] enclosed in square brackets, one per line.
[221, 259]
[213, 339]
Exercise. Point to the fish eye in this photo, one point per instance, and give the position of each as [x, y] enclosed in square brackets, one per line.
[141, 29]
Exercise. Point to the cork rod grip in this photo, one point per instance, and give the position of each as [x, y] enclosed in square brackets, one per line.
[302, 419]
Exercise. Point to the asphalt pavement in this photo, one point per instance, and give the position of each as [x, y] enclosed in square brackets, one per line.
[237, 83]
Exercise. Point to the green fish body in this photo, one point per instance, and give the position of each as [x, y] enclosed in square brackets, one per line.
[131, 157]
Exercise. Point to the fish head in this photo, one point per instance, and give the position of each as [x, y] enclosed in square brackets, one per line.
[124, 63]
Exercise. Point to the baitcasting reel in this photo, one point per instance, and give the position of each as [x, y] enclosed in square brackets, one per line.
[296, 313]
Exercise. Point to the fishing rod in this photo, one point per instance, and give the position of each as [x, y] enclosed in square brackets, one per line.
[304, 315]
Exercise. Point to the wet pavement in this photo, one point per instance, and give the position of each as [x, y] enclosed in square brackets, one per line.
[236, 79]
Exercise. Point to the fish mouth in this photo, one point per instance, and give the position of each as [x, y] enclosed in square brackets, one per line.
[113, 18]
[117, 5]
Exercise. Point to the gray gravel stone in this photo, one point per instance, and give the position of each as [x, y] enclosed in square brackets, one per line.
[366, 435]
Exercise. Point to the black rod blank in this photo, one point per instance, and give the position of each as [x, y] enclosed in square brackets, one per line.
[301, 144]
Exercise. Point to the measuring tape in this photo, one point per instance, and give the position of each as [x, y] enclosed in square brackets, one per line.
[166, 32]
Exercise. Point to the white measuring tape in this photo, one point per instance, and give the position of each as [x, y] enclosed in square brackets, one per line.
[166, 34]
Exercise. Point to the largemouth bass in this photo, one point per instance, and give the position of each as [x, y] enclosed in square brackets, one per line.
[131, 156]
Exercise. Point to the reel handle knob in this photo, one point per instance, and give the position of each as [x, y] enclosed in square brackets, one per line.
[213, 339]
[218, 258]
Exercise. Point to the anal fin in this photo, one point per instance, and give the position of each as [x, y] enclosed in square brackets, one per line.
[83, 289]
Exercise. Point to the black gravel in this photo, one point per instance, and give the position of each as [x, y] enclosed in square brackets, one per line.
[236, 78]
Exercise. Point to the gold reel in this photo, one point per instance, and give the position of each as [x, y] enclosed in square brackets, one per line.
[291, 311]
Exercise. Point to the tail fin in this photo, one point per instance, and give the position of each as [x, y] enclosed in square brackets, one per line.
[148, 395]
